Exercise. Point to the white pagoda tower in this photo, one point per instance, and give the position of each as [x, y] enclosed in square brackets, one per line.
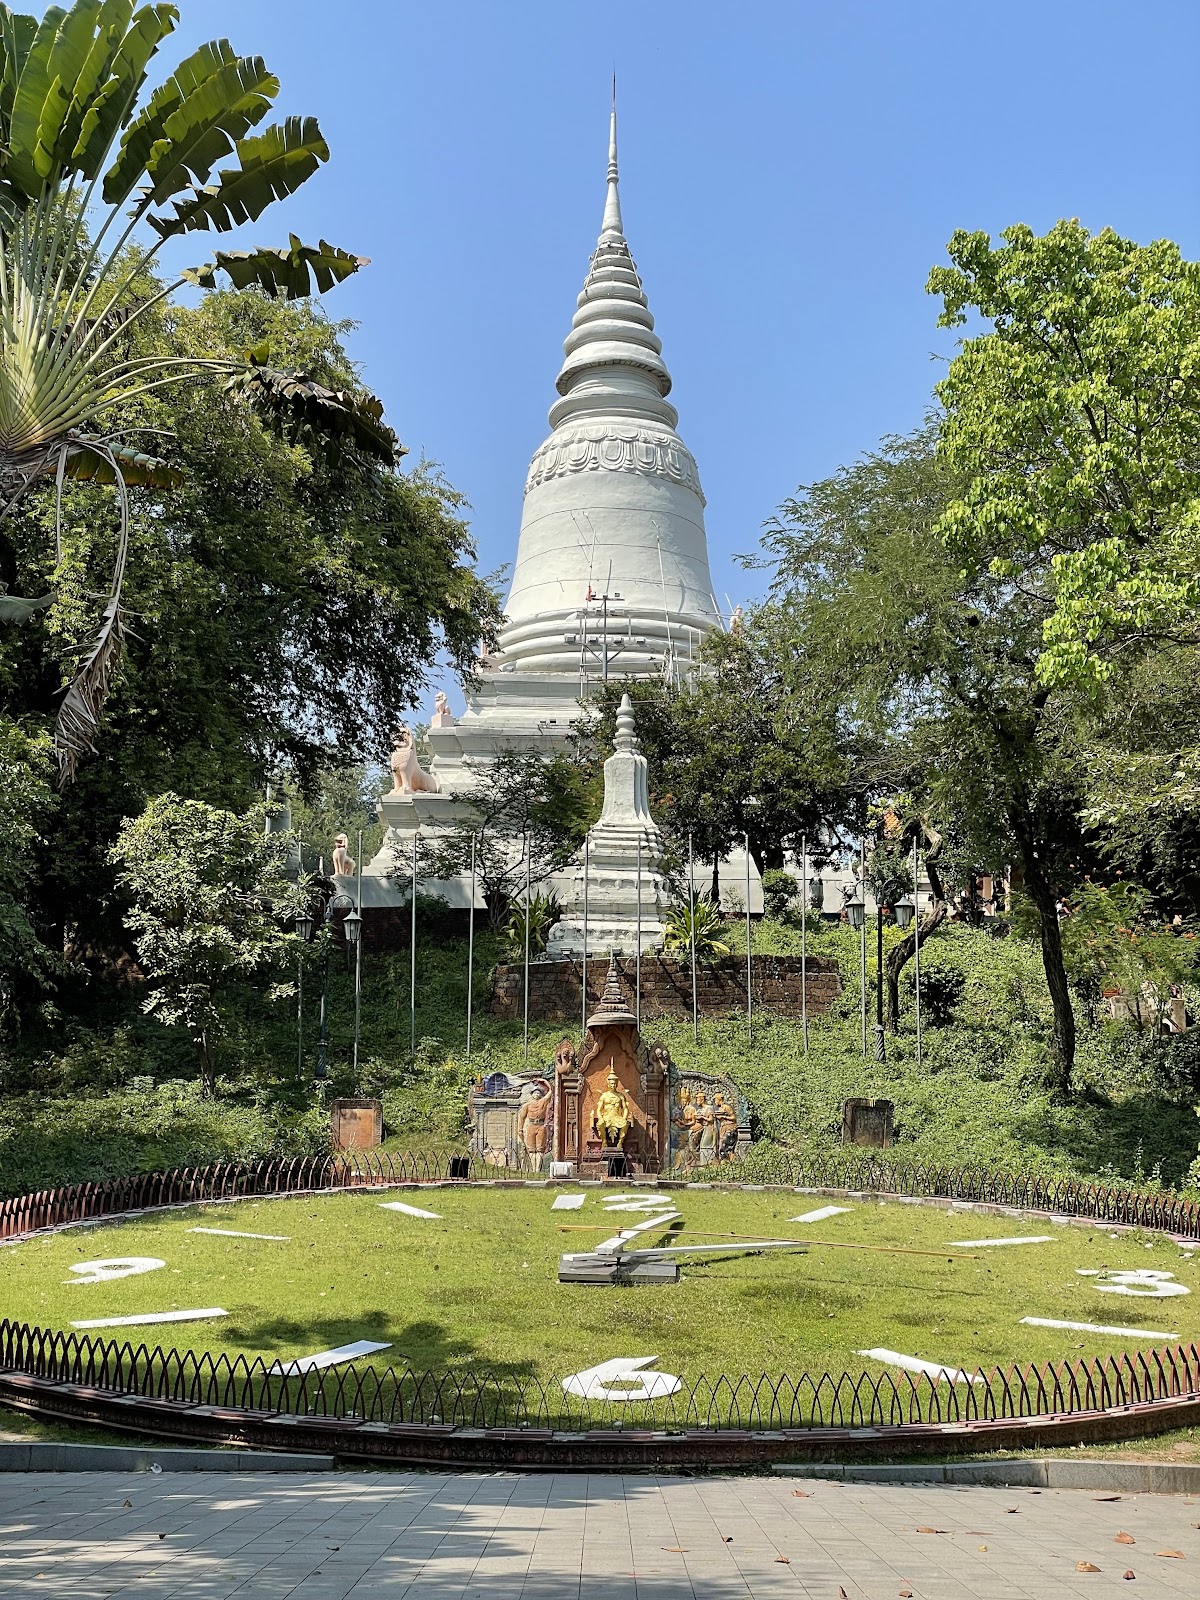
[611, 578]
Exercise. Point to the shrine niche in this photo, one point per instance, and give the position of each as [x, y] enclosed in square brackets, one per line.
[512, 1120]
[615, 1107]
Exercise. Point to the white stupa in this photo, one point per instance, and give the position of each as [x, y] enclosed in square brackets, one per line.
[611, 578]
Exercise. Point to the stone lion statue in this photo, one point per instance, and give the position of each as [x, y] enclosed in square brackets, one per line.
[407, 772]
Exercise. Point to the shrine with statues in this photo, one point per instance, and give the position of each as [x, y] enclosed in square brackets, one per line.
[616, 1107]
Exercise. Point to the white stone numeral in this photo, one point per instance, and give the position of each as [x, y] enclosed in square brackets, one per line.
[113, 1267]
[1142, 1283]
[646, 1204]
[596, 1382]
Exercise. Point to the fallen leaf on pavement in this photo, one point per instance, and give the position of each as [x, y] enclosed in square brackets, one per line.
[1106, 1497]
[842, 1595]
[983, 1547]
[1176, 1555]
[1129, 1573]
[801, 1494]
[784, 1560]
[1085, 1566]
[1124, 1538]
[906, 1594]
[675, 1549]
[727, 1538]
[932, 1530]
[127, 1503]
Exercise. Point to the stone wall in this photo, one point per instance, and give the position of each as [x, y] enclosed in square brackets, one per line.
[554, 987]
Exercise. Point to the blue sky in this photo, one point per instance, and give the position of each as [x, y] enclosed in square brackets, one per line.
[789, 174]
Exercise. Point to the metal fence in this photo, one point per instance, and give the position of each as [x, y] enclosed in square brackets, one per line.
[1116, 1203]
[501, 1399]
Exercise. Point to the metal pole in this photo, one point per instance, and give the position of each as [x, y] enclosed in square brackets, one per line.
[692, 934]
[917, 952]
[300, 1016]
[587, 846]
[880, 1048]
[749, 987]
[863, 943]
[471, 948]
[412, 962]
[300, 981]
[804, 937]
[527, 865]
[358, 962]
[322, 1067]
[637, 981]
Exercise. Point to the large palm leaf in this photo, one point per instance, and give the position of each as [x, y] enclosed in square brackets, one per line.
[80, 223]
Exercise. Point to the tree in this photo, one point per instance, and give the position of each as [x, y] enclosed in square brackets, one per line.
[731, 754]
[25, 802]
[917, 829]
[209, 901]
[931, 669]
[288, 608]
[1073, 423]
[526, 816]
[80, 227]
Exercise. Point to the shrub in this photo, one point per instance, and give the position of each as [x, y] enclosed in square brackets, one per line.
[942, 989]
[696, 923]
[779, 890]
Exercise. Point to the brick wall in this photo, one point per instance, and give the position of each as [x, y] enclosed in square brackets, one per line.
[554, 987]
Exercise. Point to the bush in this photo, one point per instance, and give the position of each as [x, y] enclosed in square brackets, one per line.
[779, 890]
[942, 989]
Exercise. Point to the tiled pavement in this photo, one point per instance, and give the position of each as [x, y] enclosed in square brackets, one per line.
[499, 1536]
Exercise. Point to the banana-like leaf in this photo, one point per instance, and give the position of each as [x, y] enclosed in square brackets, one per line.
[328, 421]
[78, 719]
[112, 23]
[17, 33]
[86, 464]
[37, 80]
[291, 274]
[13, 608]
[191, 122]
[69, 55]
[111, 106]
[207, 127]
[274, 164]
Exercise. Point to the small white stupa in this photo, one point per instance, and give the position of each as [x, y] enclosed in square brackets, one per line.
[626, 891]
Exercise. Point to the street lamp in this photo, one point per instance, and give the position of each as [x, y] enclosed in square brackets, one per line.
[904, 911]
[306, 924]
[856, 910]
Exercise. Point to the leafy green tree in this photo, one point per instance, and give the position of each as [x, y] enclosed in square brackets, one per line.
[929, 668]
[96, 181]
[526, 817]
[288, 608]
[209, 905]
[25, 803]
[1073, 428]
[1114, 944]
[733, 753]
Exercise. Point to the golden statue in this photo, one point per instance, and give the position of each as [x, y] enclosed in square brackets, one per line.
[612, 1118]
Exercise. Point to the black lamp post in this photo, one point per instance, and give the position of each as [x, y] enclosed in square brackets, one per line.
[306, 924]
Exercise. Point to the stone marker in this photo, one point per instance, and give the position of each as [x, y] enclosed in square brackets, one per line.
[356, 1124]
[868, 1122]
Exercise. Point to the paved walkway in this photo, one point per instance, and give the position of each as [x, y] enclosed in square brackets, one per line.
[444, 1536]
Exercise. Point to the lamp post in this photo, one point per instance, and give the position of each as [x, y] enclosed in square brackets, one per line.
[305, 924]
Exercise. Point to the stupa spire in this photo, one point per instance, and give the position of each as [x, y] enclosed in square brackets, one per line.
[612, 202]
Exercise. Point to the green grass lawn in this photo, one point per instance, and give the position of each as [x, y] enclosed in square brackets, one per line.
[478, 1287]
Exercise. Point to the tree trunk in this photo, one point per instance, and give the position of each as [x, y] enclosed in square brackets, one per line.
[1041, 892]
[902, 953]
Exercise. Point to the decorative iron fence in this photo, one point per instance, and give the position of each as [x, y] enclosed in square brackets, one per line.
[1116, 1203]
[481, 1399]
